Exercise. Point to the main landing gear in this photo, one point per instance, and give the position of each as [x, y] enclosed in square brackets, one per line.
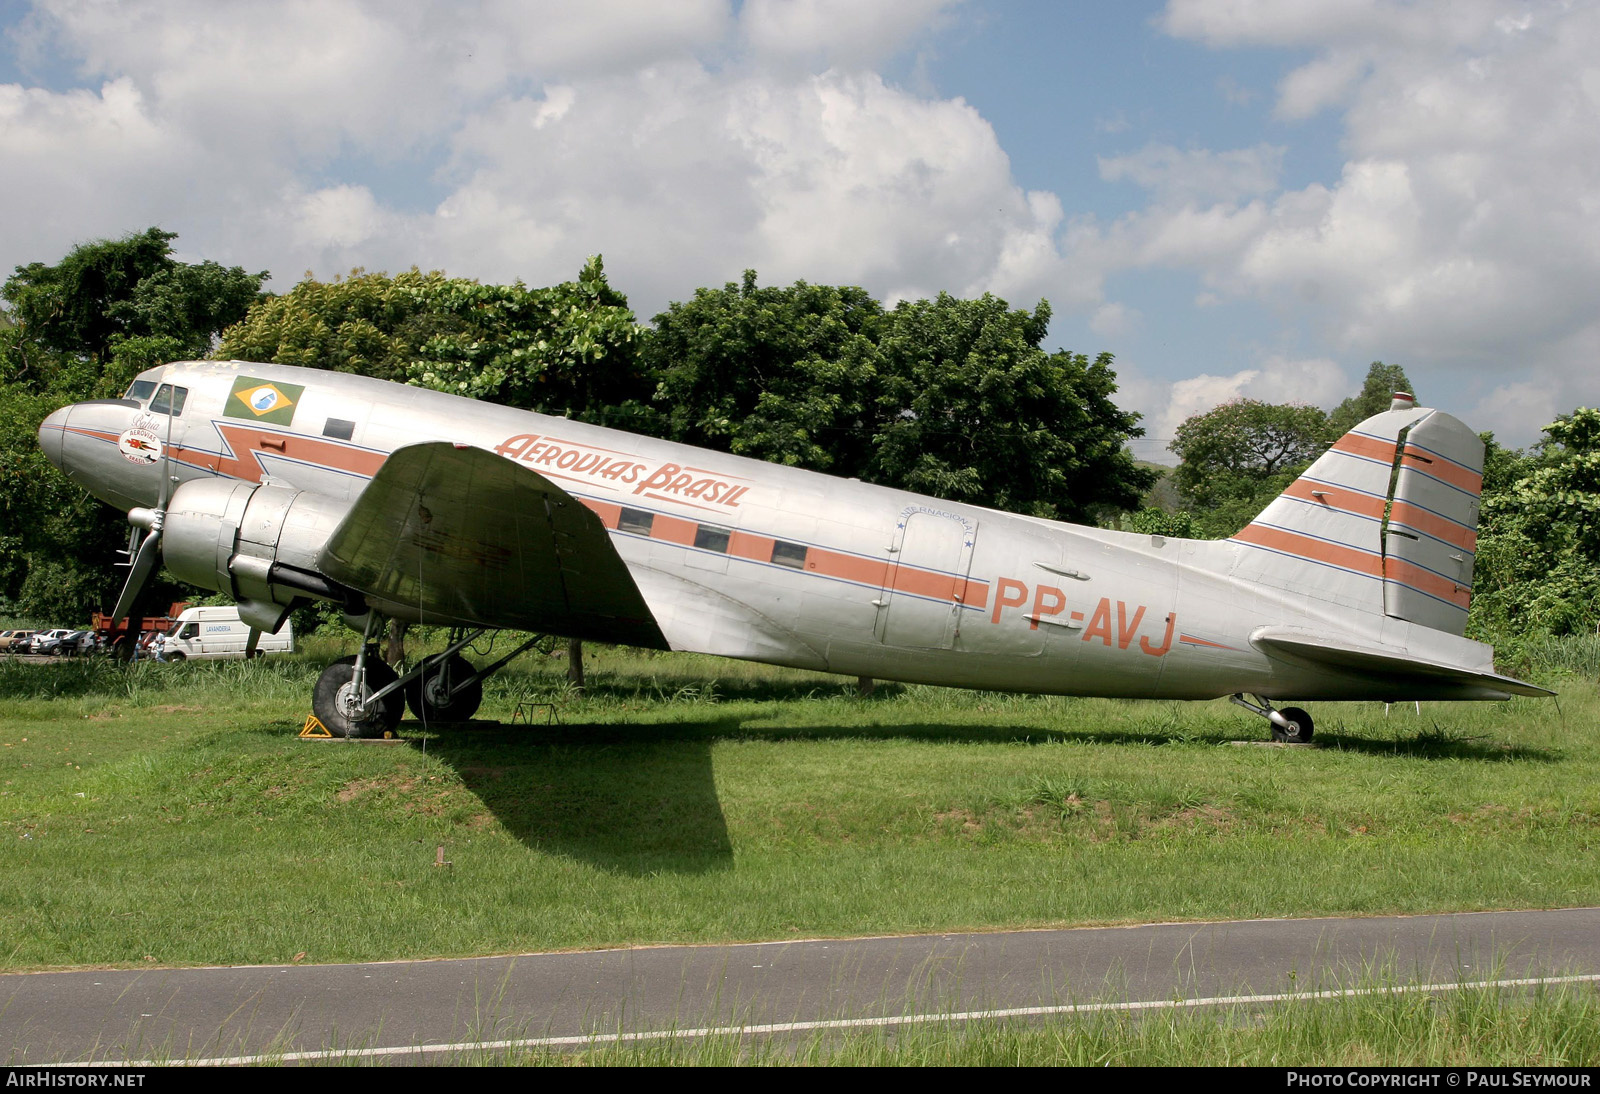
[361, 696]
[1291, 725]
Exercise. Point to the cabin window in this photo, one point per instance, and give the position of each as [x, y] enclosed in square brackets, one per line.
[141, 390]
[339, 429]
[789, 554]
[636, 521]
[169, 400]
[708, 537]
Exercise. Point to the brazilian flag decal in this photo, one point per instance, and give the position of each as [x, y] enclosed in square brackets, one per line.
[263, 400]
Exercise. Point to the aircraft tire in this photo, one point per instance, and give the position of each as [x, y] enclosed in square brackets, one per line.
[330, 700]
[422, 694]
[1303, 727]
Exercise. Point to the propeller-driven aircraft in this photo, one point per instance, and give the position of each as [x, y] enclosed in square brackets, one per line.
[280, 485]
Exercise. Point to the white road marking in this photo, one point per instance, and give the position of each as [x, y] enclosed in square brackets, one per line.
[823, 1024]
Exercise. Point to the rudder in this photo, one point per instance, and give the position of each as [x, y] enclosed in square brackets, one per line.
[1384, 522]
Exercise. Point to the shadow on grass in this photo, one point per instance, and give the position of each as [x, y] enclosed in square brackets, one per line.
[636, 803]
[665, 686]
[1436, 745]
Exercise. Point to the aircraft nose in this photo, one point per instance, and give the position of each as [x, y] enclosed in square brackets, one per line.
[52, 435]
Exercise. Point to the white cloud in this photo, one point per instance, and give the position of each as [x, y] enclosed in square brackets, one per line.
[844, 33]
[1277, 379]
[637, 130]
[1463, 233]
[1198, 175]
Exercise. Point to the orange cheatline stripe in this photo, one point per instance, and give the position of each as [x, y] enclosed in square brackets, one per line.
[608, 513]
[865, 571]
[1355, 444]
[745, 545]
[1443, 469]
[1314, 550]
[925, 583]
[1412, 516]
[1334, 497]
[674, 530]
[1426, 581]
[819, 560]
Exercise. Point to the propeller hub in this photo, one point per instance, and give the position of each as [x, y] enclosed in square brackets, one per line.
[145, 518]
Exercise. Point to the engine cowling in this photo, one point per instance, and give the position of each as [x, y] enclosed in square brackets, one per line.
[259, 543]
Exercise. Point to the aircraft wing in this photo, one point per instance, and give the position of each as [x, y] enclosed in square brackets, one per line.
[457, 535]
[1381, 661]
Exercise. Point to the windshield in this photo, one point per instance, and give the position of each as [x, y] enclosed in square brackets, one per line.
[140, 390]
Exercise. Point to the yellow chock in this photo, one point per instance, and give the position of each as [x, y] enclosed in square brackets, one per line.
[314, 727]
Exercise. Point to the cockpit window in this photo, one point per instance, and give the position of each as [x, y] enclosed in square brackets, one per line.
[140, 390]
[169, 400]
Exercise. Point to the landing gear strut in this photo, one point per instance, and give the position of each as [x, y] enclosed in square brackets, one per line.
[361, 696]
[1291, 725]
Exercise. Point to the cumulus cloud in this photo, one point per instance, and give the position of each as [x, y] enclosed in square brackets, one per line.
[1278, 379]
[640, 131]
[1198, 175]
[1461, 235]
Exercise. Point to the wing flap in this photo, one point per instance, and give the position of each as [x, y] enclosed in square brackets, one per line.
[457, 535]
[1384, 661]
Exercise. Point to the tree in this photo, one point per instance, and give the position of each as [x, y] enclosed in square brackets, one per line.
[567, 349]
[1537, 568]
[1237, 457]
[783, 375]
[948, 397]
[1377, 392]
[970, 408]
[80, 329]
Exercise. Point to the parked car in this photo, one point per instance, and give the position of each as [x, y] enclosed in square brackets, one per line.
[47, 641]
[16, 641]
[77, 642]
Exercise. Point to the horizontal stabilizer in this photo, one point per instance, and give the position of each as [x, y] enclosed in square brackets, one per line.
[1386, 661]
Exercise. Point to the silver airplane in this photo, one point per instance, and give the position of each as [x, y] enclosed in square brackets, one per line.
[279, 485]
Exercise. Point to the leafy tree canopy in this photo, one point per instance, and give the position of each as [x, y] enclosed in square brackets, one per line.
[1377, 392]
[784, 375]
[75, 330]
[1537, 568]
[948, 397]
[1236, 450]
[559, 350]
[109, 291]
[970, 408]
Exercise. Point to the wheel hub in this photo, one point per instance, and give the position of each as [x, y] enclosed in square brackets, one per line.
[352, 703]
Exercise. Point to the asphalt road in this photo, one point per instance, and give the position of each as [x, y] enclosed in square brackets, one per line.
[404, 1011]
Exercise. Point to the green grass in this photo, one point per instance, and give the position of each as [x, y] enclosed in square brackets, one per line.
[167, 814]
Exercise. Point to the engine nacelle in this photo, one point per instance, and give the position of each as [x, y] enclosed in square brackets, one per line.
[258, 543]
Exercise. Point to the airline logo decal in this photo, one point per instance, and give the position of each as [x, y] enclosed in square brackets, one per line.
[263, 400]
[574, 461]
[139, 445]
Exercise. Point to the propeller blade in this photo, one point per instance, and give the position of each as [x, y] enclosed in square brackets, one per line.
[252, 642]
[144, 563]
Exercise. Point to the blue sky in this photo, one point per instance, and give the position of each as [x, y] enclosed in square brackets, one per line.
[1235, 197]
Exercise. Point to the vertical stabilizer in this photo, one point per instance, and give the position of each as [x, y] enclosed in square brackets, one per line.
[1384, 522]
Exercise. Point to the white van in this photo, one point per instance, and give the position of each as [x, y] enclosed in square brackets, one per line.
[218, 632]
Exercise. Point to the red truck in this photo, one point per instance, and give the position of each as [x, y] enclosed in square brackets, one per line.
[121, 637]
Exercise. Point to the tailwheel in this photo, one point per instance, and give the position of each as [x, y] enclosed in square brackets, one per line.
[1291, 725]
[345, 711]
[447, 690]
[1299, 728]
